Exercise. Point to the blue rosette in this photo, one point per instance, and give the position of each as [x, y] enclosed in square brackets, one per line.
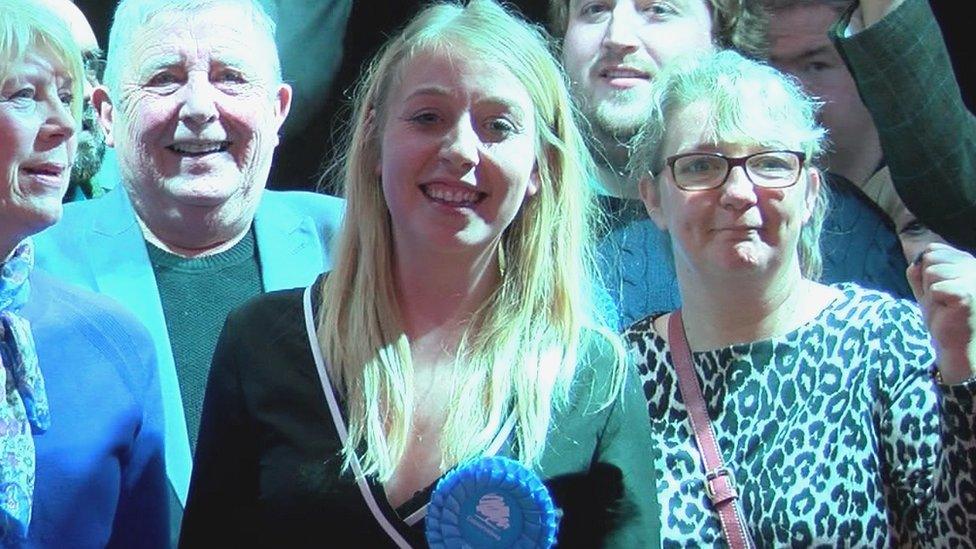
[491, 503]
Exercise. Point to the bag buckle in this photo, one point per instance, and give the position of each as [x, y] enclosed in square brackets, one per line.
[712, 477]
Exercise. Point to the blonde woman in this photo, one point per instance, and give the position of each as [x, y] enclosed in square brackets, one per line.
[455, 325]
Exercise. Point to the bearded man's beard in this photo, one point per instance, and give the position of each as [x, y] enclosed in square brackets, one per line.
[91, 148]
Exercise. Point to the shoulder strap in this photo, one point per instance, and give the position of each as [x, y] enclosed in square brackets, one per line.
[719, 482]
[340, 425]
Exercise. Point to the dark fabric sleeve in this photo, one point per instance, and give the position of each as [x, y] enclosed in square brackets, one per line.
[220, 509]
[905, 78]
[625, 444]
[142, 516]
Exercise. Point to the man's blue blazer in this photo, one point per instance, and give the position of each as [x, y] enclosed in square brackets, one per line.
[99, 245]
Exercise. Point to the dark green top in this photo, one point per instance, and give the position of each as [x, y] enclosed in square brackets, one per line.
[197, 294]
[905, 78]
[267, 470]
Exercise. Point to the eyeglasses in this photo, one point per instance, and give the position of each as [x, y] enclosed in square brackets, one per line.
[698, 171]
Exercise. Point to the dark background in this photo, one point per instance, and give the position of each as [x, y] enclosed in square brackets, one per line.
[301, 157]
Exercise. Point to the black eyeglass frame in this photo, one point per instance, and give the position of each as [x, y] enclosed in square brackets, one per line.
[732, 162]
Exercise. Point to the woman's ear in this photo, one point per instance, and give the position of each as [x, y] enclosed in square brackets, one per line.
[533, 186]
[651, 196]
[535, 180]
[814, 179]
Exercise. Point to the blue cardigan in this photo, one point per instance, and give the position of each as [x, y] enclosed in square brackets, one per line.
[98, 245]
[101, 480]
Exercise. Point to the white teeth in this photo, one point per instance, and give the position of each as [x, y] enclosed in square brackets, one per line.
[457, 196]
[623, 74]
[198, 148]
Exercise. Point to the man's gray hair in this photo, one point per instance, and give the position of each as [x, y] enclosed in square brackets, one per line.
[132, 15]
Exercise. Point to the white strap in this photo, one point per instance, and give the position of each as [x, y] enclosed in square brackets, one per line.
[341, 426]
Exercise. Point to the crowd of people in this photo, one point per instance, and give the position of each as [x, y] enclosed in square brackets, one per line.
[703, 266]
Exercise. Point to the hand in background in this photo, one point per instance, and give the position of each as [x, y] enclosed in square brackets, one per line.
[873, 10]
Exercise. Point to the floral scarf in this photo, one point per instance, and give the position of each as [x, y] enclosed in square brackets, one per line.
[23, 400]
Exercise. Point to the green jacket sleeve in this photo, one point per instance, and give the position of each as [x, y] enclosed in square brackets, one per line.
[905, 78]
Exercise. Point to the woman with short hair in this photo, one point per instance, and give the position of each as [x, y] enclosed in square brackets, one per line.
[81, 449]
[787, 411]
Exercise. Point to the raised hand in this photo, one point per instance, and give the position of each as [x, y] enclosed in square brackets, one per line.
[873, 10]
[943, 279]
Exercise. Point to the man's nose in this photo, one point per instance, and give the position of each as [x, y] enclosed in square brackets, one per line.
[621, 35]
[199, 106]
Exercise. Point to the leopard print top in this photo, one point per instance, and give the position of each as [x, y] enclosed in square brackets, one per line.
[832, 432]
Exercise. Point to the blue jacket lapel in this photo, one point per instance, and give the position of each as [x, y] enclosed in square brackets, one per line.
[122, 270]
[289, 246]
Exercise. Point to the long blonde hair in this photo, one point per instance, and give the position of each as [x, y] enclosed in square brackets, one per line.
[521, 349]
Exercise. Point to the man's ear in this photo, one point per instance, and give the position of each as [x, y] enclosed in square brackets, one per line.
[651, 196]
[814, 179]
[106, 113]
[282, 105]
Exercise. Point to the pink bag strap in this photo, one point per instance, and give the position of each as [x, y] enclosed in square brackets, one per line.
[719, 482]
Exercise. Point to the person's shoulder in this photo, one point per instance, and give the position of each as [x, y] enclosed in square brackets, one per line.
[74, 218]
[78, 217]
[83, 210]
[74, 303]
[856, 297]
[599, 364]
[82, 323]
[269, 314]
[867, 311]
[306, 201]
[268, 341]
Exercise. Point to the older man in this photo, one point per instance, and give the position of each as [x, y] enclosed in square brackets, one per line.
[192, 103]
[611, 51]
[890, 101]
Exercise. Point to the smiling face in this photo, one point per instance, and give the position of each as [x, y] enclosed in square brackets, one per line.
[196, 118]
[457, 153]
[613, 48]
[737, 228]
[37, 145]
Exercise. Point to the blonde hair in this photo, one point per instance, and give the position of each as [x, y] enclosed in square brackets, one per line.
[522, 346]
[26, 26]
[747, 101]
